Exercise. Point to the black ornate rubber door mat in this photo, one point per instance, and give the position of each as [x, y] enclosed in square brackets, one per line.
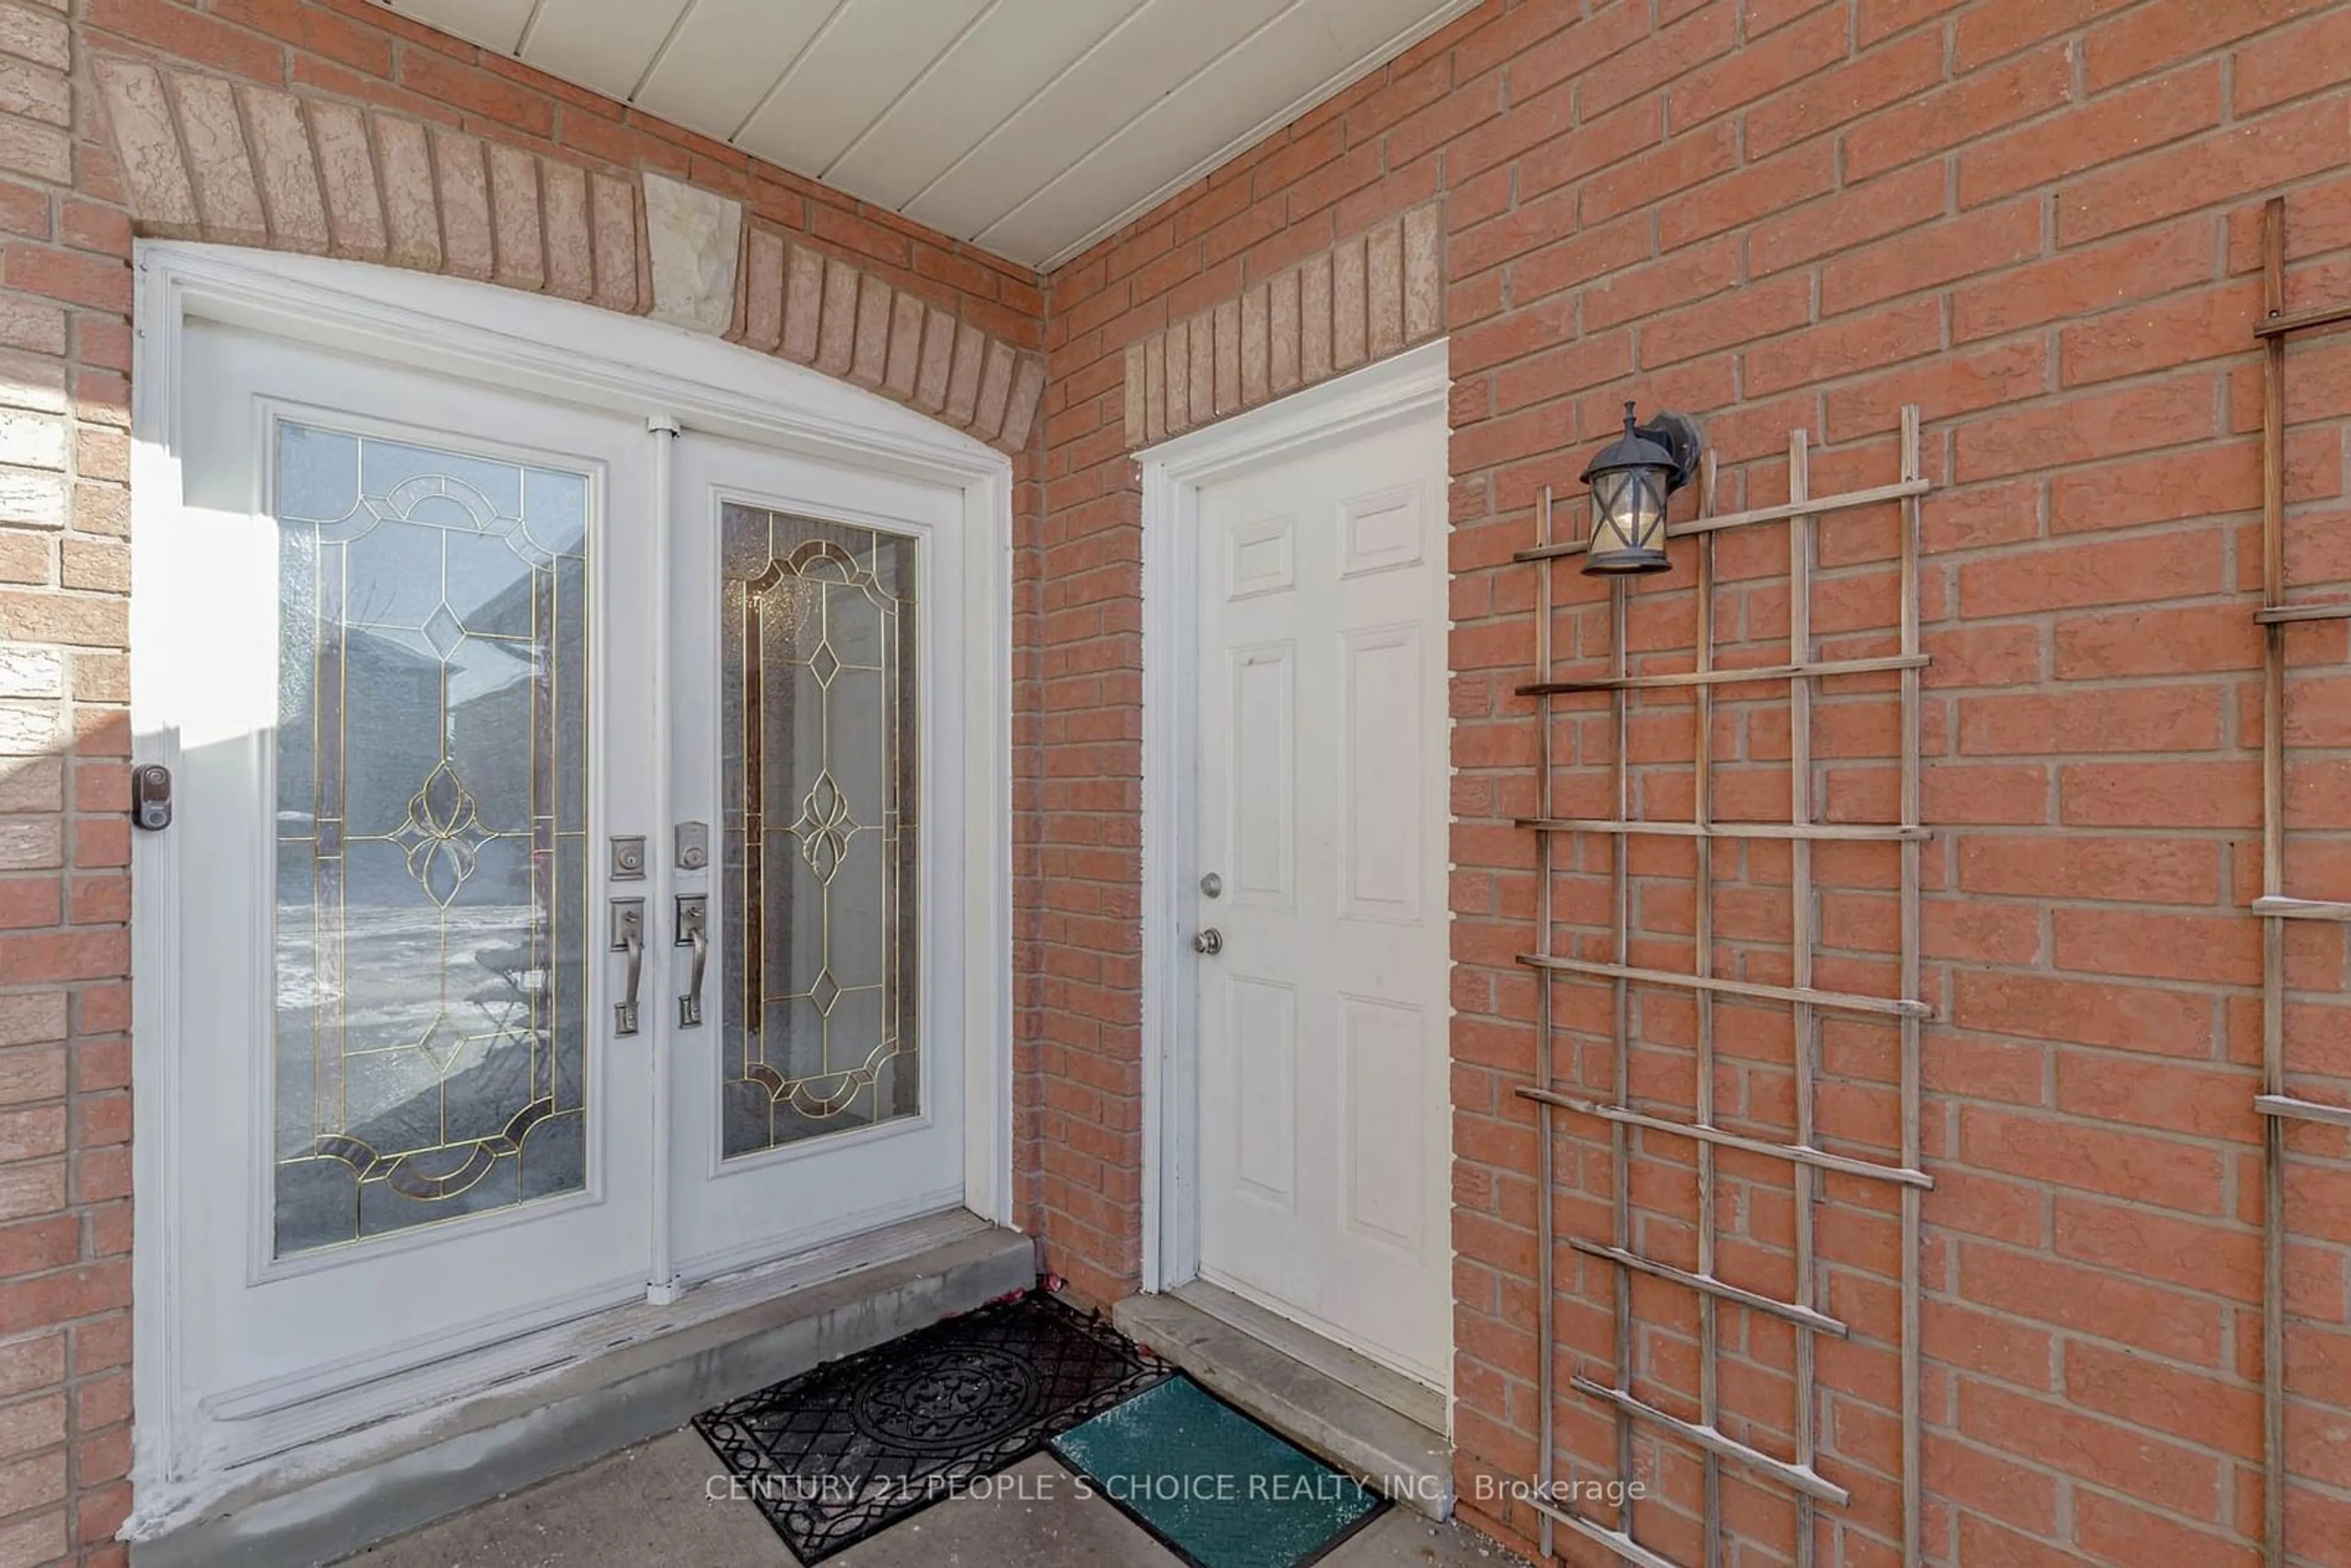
[836, 1453]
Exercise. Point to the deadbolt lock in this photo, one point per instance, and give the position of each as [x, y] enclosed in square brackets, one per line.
[628, 857]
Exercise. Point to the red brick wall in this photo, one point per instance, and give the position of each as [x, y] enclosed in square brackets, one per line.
[2037, 219]
[65, 1002]
[65, 358]
[2034, 218]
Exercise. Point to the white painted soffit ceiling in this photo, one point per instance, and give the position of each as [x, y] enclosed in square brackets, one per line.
[1031, 127]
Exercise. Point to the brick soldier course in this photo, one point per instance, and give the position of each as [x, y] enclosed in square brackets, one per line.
[2037, 219]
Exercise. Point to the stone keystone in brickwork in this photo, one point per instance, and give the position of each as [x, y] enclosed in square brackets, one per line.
[203, 158]
[694, 237]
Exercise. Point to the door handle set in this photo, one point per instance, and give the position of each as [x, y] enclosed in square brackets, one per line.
[1209, 941]
[693, 909]
[628, 935]
[693, 931]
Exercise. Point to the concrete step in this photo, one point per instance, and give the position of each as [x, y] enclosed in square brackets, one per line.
[1324, 1397]
[651, 1370]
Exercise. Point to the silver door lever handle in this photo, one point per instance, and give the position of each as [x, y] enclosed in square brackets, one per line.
[693, 931]
[1209, 943]
[629, 936]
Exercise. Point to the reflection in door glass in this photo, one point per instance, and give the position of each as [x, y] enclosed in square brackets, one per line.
[818, 661]
[432, 834]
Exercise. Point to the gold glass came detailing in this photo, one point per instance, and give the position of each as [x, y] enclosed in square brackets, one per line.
[818, 653]
[431, 836]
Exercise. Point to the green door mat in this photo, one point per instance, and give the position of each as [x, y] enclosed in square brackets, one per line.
[1214, 1487]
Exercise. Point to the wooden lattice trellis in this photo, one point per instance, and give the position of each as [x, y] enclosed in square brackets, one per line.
[2275, 1103]
[1807, 1002]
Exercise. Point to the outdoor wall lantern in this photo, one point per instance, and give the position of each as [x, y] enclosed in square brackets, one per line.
[1630, 481]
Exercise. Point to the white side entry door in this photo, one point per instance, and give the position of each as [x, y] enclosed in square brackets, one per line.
[1321, 787]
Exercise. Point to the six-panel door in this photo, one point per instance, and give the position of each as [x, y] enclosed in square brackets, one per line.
[1321, 790]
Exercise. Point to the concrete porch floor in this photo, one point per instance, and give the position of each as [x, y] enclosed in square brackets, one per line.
[653, 1503]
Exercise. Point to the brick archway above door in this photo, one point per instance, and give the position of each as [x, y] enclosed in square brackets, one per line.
[1371, 295]
[207, 158]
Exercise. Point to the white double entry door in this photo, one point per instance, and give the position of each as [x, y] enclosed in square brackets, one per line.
[557, 839]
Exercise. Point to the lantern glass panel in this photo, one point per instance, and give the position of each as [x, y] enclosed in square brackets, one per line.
[1644, 508]
[1608, 501]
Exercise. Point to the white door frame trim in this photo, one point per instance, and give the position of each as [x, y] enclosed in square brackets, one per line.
[581, 355]
[1173, 473]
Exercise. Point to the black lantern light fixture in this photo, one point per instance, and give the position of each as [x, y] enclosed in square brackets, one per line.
[1630, 481]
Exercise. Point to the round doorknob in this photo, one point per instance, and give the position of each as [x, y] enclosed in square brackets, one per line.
[1210, 942]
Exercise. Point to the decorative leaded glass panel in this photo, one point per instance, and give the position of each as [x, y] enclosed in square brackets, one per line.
[819, 713]
[431, 836]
